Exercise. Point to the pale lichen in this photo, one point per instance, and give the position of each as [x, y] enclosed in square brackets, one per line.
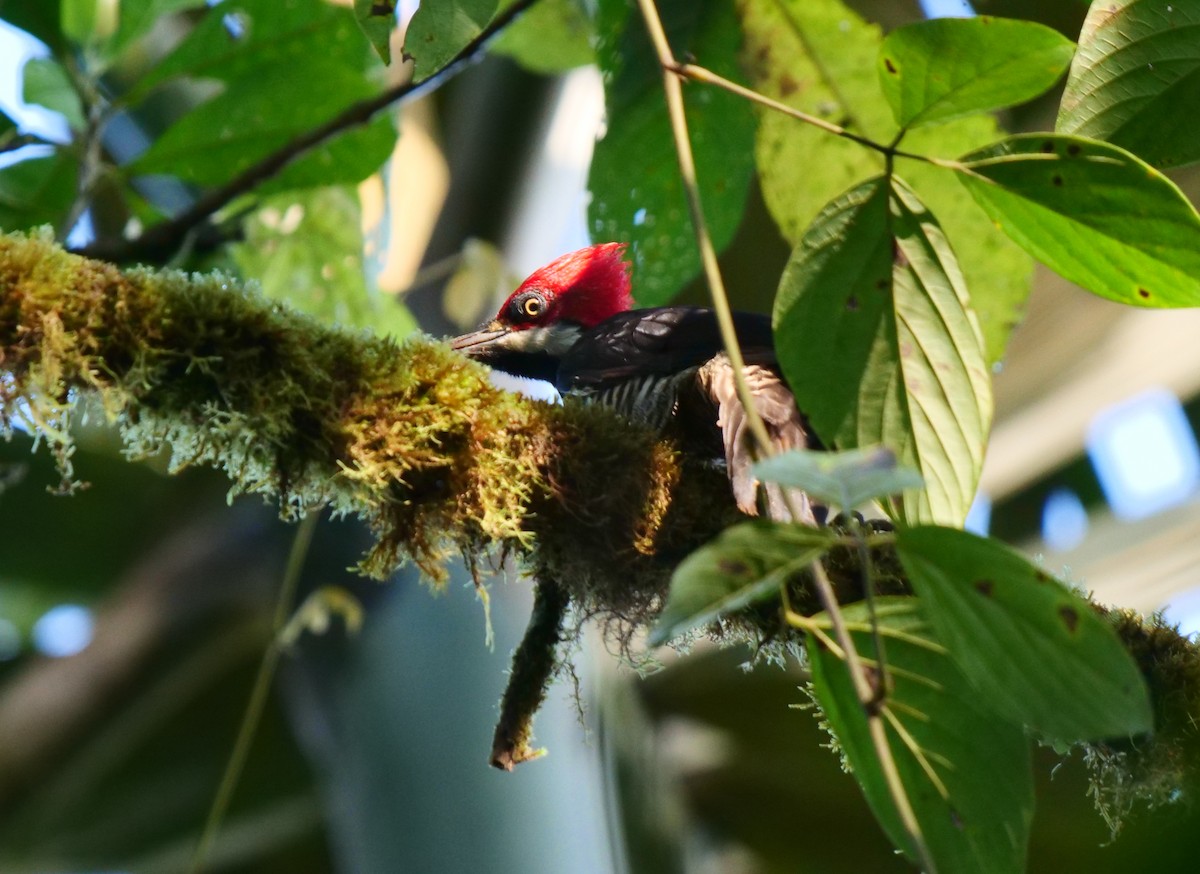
[414, 439]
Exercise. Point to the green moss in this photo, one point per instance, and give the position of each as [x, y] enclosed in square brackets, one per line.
[413, 439]
[410, 437]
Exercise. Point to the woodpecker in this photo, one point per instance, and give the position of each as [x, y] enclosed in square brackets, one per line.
[572, 324]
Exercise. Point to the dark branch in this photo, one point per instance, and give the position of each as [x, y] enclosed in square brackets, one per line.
[158, 243]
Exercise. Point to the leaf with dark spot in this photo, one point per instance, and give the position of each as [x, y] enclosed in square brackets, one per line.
[1004, 642]
[1070, 617]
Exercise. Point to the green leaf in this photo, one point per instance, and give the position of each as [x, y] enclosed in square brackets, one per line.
[1137, 69]
[306, 248]
[47, 84]
[745, 564]
[137, 18]
[441, 29]
[872, 300]
[1093, 213]
[88, 22]
[1037, 652]
[37, 191]
[239, 40]
[936, 70]
[346, 159]
[634, 181]
[844, 480]
[819, 57]
[377, 18]
[552, 36]
[967, 774]
[306, 48]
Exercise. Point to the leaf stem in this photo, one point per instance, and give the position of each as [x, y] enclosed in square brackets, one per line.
[702, 74]
[258, 693]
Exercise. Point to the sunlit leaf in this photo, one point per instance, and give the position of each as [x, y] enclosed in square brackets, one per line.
[877, 338]
[819, 57]
[637, 196]
[1036, 651]
[440, 30]
[88, 22]
[377, 18]
[552, 36]
[305, 248]
[1094, 213]
[47, 84]
[1135, 77]
[936, 70]
[744, 564]
[965, 772]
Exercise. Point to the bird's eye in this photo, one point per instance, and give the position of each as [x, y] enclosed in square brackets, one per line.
[532, 306]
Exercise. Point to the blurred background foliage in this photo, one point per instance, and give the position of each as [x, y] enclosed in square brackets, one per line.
[133, 613]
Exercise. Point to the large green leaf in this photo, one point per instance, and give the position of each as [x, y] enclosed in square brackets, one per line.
[306, 248]
[966, 773]
[743, 565]
[242, 38]
[936, 70]
[1136, 79]
[819, 57]
[37, 191]
[294, 67]
[234, 130]
[441, 29]
[1035, 650]
[1094, 213]
[636, 193]
[551, 37]
[876, 336]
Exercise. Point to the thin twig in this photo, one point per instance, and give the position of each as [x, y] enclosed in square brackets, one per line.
[672, 84]
[708, 252]
[159, 241]
[258, 693]
[703, 74]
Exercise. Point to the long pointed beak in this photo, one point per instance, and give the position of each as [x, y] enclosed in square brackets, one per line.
[479, 342]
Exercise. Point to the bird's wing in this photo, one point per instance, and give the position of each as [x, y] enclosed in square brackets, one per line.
[777, 408]
[650, 342]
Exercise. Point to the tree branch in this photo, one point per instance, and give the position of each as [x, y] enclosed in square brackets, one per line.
[159, 242]
[417, 442]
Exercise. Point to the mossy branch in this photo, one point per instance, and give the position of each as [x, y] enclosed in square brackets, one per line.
[410, 437]
[414, 439]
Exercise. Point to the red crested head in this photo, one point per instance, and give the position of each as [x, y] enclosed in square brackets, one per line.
[583, 287]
